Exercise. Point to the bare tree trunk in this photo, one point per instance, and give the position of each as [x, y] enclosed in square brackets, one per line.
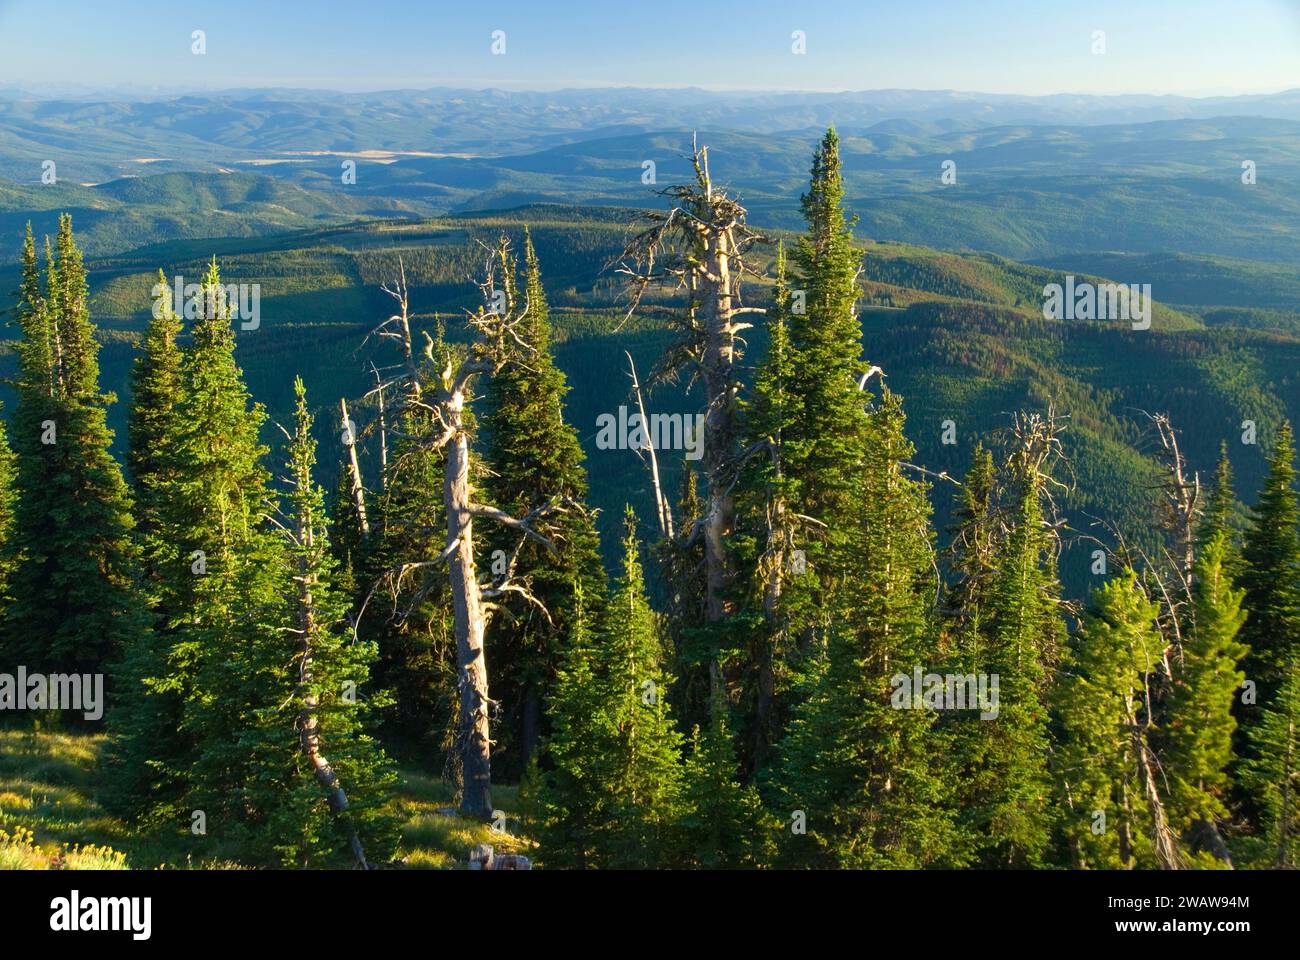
[354, 470]
[665, 512]
[473, 733]
[1166, 846]
[719, 421]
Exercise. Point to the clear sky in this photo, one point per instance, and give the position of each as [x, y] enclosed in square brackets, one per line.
[1194, 47]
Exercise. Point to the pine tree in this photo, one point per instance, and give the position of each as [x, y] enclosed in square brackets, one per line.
[74, 606]
[1200, 724]
[1103, 762]
[536, 462]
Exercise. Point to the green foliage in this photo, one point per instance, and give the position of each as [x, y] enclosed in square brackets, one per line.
[1199, 727]
[1100, 701]
[74, 605]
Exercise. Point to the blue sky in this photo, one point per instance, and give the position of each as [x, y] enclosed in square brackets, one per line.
[1193, 47]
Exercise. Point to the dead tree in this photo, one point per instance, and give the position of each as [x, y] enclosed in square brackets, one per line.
[440, 393]
[698, 249]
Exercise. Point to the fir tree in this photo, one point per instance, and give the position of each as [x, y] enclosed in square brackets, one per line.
[74, 606]
[642, 771]
[536, 462]
[564, 788]
[1200, 724]
[8, 560]
[1272, 774]
[725, 825]
[1103, 761]
[322, 782]
[866, 770]
[1271, 575]
[155, 394]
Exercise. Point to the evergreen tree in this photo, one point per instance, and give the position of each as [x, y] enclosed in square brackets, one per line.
[155, 394]
[868, 771]
[1271, 575]
[770, 531]
[1103, 762]
[566, 796]
[1272, 773]
[1007, 804]
[725, 825]
[8, 560]
[536, 462]
[642, 772]
[1200, 724]
[322, 783]
[216, 570]
[1218, 512]
[74, 606]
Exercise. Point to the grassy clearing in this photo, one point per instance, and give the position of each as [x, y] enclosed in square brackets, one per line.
[50, 819]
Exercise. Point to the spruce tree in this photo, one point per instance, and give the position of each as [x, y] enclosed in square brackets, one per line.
[8, 560]
[725, 825]
[322, 783]
[536, 463]
[1008, 796]
[1271, 575]
[74, 607]
[155, 393]
[1102, 762]
[565, 791]
[866, 773]
[1271, 775]
[1199, 725]
[642, 771]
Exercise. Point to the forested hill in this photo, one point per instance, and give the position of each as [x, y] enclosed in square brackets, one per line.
[960, 336]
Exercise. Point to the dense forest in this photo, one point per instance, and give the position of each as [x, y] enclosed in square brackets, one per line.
[821, 647]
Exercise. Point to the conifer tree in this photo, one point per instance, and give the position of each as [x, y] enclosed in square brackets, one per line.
[535, 460]
[1271, 774]
[322, 782]
[7, 495]
[566, 792]
[725, 825]
[1271, 575]
[1218, 511]
[866, 770]
[1008, 804]
[216, 570]
[155, 393]
[74, 606]
[643, 771]
[767, 502]
[1200, 724]
[1104, 763]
